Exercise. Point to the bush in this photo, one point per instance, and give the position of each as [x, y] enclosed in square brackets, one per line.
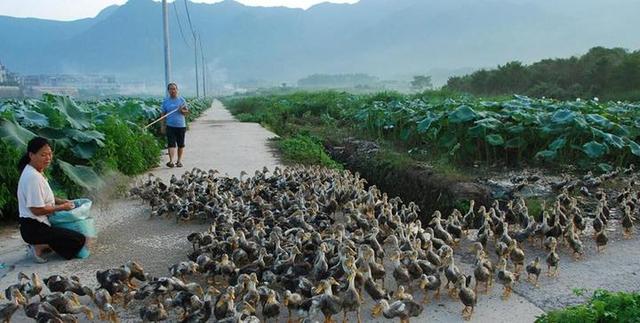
[604, 306]
[127, 149]
[9, 176]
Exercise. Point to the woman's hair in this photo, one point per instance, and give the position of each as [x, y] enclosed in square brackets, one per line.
[33, 147]
[170, 84]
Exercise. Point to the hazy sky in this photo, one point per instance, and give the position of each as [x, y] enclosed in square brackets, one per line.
[76, 9]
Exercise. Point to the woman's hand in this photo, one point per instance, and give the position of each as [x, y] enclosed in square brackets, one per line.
[66, 206]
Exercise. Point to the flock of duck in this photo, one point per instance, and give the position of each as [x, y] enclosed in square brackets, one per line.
[309, 241]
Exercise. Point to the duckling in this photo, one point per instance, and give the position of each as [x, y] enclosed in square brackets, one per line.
[627, 222]
[186, 301]
[398, 309]
[553, 260]
[452, 273]
[153, 313]
[320, 265]
[293, 302]
[271, 309]
[226, 267]
[533, 268]
[328, 303]
[103, 301]
[29, 287]
[68, 303]
[601, 240]
[225, 306]
[7, 310]
[432, 256]
[377, 269]
[549, 243]
[506, 278]
[430, 283]
[468, 220]
[202, 315]
[351, 299]
[183, 268]
[482, 275]
[401, 295]
[597, 225]
[375, 291]
[58, 283]
[467, 297]
[400, 271]
[517, 257]
[413, 266]
[574, 243]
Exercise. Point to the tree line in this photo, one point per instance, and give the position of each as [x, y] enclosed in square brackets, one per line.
[606, 73]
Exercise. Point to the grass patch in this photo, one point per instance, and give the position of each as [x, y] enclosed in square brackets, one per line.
[307, 150]
[604, 306]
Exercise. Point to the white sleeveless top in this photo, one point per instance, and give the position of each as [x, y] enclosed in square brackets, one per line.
[34, 191]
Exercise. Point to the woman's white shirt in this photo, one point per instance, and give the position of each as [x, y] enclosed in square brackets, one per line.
[34, 191]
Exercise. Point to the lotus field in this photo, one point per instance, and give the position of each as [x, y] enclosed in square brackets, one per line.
[88, 139]
[464, 130]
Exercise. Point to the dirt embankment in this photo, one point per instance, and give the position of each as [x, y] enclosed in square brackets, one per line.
[412, 182]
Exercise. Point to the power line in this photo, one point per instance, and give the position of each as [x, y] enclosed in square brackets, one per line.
[175, 10]
[195, 47]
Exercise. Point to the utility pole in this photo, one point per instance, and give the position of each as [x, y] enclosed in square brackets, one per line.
[204, 69]
[167, 54]
[195, 54]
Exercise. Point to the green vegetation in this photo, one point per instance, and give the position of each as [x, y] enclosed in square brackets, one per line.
[610, 74]
[462, 130]
[88, 139]
[604, 306]
[305, 149]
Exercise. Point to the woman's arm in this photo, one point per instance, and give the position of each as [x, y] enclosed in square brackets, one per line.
[50, 209]
[60, 201]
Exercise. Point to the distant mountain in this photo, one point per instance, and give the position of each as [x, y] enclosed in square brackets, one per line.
[385, 38]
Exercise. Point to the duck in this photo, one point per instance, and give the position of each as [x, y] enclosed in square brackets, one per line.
[601, 240]
[627, 222]
[58, 283]
[401, 294]
[67, 303]
[183, 268]
[452, 273]
[377, 269]
[7, 310]
[271, 308]
[430, 283]
[533, 268]
[153, 313]
[328, 303]
[374, 290]
[404, 310]
[103, 301]
[400, 271]
[482, 274]
[201, 315]
[553, 260]
[517, 256]
[467, 296]
[224, 305]
[293, 302]
[351, 299]
[506, 278]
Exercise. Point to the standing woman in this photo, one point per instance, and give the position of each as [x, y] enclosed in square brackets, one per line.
[36, 203]
[175, 107]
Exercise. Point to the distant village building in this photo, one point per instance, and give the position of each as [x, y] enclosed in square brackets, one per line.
[9, 83]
